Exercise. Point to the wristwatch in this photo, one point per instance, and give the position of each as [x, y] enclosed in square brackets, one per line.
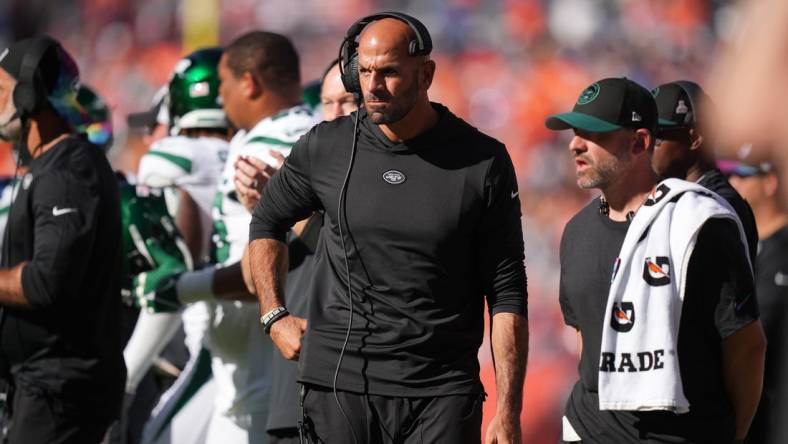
[272, 316]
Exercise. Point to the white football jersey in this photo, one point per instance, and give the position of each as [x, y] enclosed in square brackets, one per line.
[240, 349]
[193, 164]
[231, 219]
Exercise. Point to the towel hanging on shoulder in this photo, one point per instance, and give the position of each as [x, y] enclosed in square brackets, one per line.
[639, 367]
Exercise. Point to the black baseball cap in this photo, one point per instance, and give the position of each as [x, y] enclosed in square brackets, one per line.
[677, 103]
[48, 67]
[607, 105]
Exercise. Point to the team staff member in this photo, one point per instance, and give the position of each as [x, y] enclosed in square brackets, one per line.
[760, 185]
[682, 152]
[431, 224]
[60, 281]
[284, 413]
[334, 100]
[721, 347]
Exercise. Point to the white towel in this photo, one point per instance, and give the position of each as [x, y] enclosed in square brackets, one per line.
[639, 367]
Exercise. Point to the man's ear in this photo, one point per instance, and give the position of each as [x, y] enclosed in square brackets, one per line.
[427, 73]
[643, 141]
[250, 86]
[770, 184]
[696, 138]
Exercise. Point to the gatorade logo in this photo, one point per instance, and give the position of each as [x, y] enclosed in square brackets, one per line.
[658, 194]
[589, 94]
[622, 318]
[656, 272]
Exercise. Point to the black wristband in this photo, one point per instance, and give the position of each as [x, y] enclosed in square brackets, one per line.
[272, 316]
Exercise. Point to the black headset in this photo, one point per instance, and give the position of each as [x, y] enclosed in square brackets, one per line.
[348, 72]
[30, 91]
[348, 51]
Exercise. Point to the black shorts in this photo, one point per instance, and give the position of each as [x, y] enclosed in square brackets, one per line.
[39, 418]
[450, 419]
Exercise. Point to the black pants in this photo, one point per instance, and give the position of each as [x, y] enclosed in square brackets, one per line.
[37, 418]
[450, 419]
[284, 436]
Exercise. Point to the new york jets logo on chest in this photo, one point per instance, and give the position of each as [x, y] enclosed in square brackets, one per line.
[394, 177]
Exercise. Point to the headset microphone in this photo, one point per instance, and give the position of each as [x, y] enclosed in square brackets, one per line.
[9, 121]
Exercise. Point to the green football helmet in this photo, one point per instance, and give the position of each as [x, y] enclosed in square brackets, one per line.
[194, 92]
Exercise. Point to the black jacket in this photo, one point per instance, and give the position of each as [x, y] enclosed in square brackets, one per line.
[431, 226]
[65, 222]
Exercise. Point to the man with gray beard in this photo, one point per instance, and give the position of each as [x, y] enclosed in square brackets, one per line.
[60, 343]
[718, 361]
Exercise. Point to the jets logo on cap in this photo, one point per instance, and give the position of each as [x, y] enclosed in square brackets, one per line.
[589, 94]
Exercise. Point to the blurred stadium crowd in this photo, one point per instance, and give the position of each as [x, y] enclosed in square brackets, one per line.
[503, 65]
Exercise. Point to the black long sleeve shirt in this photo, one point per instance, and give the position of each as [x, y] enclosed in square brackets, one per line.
[66, 222]
[430, 225]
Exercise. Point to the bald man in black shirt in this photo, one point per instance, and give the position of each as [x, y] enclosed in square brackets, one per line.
[430, 225]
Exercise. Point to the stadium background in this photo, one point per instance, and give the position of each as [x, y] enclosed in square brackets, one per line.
[501, 64]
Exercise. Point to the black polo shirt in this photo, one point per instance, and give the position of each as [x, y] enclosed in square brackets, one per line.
[65, 222]
[715, 181]
[769, 425]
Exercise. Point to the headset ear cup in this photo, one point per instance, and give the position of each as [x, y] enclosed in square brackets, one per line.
[345, 52]
[355, 83]
[25, 99]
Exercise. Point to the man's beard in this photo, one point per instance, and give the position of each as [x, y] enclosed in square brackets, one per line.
[396, 108]
[10, 123]
[602, 174]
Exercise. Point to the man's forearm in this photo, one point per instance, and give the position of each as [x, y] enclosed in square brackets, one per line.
[743, 363]
[11, 293]
[268, 261]
[228, 283]
[510, 355]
